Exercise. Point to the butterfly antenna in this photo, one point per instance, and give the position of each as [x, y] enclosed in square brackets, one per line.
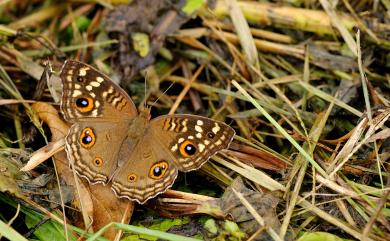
[145, 82]
[165, 91]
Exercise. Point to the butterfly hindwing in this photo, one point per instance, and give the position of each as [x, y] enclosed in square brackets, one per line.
[146, 169]
[87, 149]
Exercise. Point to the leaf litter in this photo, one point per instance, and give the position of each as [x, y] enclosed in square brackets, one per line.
[305, 91]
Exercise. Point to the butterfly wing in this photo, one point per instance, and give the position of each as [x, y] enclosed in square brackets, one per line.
[87, 93]
[145, 169]
[92, 149]
[171, 143]
[191, 140]
[100, 111]
[140, 168]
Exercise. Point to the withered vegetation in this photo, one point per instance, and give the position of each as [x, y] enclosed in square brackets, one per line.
[305, 85]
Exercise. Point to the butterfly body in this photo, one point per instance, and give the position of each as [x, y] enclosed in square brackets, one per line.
[110, 142]
[139, 125]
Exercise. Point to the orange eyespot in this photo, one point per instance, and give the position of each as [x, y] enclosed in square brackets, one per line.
[187, 149]
[87, 138]
[84, 104]
[98, 162]
[132, 177]
[158, 170]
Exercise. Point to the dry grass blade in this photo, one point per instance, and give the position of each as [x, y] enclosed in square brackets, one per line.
[331, 219]
[316, 21]
[185, 90]
[253, 174]
[334, 18]
[13, 101]
[280, 129]
[308, 102]
[354, 145]
[244, 34]
[377, 212]
[330, 98]
[43, 154]
[300, 166]
[264, 34]
[38, 16]
[258, 218]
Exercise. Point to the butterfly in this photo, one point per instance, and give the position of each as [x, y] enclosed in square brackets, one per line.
[110, 142]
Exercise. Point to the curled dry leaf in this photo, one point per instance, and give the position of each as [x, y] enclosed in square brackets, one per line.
[49, 115]
[99, 202]
[43, 154]
[257, 157]
[109, 208]
[59, 129]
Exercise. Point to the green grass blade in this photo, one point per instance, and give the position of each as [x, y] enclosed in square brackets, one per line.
[10, 233]
[140, 230]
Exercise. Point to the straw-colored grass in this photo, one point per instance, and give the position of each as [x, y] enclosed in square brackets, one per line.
[305, 85]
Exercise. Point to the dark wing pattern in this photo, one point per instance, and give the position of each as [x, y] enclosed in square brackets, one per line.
[192, 139]
[87, 93]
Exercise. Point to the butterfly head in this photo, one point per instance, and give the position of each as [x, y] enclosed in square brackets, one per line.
[139, 124]
[144, 112]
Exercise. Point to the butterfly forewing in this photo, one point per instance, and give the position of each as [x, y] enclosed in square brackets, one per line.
[87, 94]
[191, 140]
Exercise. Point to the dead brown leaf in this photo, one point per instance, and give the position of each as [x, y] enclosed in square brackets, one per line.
[97, 202]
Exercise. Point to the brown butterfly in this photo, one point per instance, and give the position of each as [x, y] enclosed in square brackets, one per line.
[111, 142]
